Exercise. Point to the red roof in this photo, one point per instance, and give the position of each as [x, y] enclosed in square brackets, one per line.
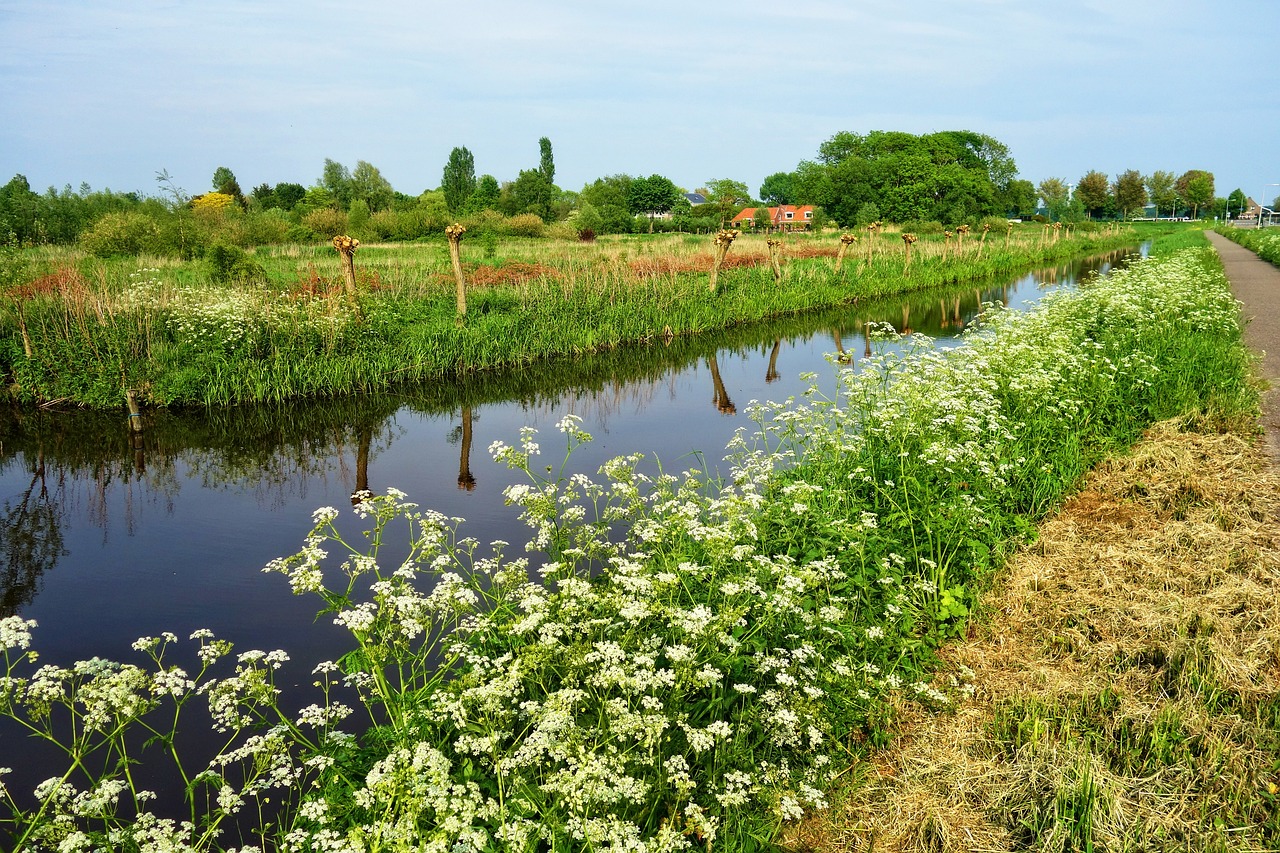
[778, 215]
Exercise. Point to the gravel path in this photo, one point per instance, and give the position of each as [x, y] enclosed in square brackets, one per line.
[1256, 283]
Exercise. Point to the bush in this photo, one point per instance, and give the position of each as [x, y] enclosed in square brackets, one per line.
[326, 222]
[526, 225]
[123, 233]
[923, 226]
[231, 264]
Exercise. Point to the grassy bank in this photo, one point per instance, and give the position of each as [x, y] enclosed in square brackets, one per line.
[279, 326]
[701, 660]
[1122, 691]
[1265, 242]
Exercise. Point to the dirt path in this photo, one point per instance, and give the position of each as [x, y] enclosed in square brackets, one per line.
[1256, 283]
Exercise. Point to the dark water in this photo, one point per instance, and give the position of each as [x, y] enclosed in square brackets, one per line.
[106, 538]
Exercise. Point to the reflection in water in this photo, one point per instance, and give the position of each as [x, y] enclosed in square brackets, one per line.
[30, 540]
[719, 396]
[466, 480]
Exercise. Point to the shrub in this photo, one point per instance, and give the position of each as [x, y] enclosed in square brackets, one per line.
[123, 233]
[526, 225]
[228, 264]
[326, 222]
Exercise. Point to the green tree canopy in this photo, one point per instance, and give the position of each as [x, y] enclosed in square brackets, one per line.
[336, 178]
[726, 196]
[1056, 195]
[1093, 190]
[1196, 188]
[1130, 193]
[486, 195]
[951, 176]
[368, 184]
[1161, 187]
[459, 179]
[546, 163]
[652, 195]
[779, 188]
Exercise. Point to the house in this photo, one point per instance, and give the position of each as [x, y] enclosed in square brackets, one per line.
[784, 217]
[695, 199]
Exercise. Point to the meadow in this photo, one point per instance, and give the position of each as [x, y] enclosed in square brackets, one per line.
[674, 661]
[279, 323]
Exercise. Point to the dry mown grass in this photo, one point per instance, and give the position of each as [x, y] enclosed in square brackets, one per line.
[1125, 683]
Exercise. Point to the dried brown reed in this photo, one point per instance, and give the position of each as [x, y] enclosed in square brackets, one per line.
[1145, 621]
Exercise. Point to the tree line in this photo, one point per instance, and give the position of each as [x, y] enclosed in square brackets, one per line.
[944, 178]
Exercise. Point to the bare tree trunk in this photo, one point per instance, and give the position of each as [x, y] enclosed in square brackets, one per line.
[454, 232]
[346, 247]
[846, 240]
[720, 397]
[723, 241]
[775, 251]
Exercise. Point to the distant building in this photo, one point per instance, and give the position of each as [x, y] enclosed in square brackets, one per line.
[695, 199]
[784, 217]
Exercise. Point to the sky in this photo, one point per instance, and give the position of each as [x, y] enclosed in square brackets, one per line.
[110, 92]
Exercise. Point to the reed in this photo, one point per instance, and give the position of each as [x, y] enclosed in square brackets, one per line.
[96, 328]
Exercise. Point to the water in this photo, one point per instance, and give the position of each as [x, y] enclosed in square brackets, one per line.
[107, 537]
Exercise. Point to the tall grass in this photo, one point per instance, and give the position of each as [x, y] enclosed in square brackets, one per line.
[698, 659]
[168, 331]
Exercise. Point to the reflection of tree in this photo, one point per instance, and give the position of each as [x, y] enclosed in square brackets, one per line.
[720, 397]
[30, 540]
[841, 356]
[364, 440]
[772, 375]
[462, 435]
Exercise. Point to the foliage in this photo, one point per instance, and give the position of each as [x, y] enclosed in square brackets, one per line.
[1056, 195]
[652, 195]
[698, 658]
[546, 162]
[950, 176]
[779, 188]
[1196, 188]
[1264, 242]
[485, 196]
[1130, 193]
[121, 234]
[1093, 190]
[1162, 191]
[230, 264]
[727, 197]
[459, 179]
[368, 185]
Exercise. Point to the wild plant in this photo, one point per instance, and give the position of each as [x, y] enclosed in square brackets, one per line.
[686, 660]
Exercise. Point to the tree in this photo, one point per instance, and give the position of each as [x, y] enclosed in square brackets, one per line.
[1161, 189]
[336, 178]
[529, 193]
[224, 181]
[459, 179]
[1018, 199]
[1196, 188]
[779, 188]
[1054, 193]
[368, 184]
[1236, 202]
[546, 163]
[1130, 192]
[726, 196]
[612, 190]
[1093, 191]
[288, 195]
[485, 196]
[652, 195]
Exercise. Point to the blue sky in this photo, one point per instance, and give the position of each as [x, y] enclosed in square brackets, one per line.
[111, 91]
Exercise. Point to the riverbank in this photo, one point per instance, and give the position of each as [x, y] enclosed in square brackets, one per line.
[706, 657]
[1120, 690]
[82, 333]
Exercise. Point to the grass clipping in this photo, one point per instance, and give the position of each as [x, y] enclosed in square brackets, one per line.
[1121, 692]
